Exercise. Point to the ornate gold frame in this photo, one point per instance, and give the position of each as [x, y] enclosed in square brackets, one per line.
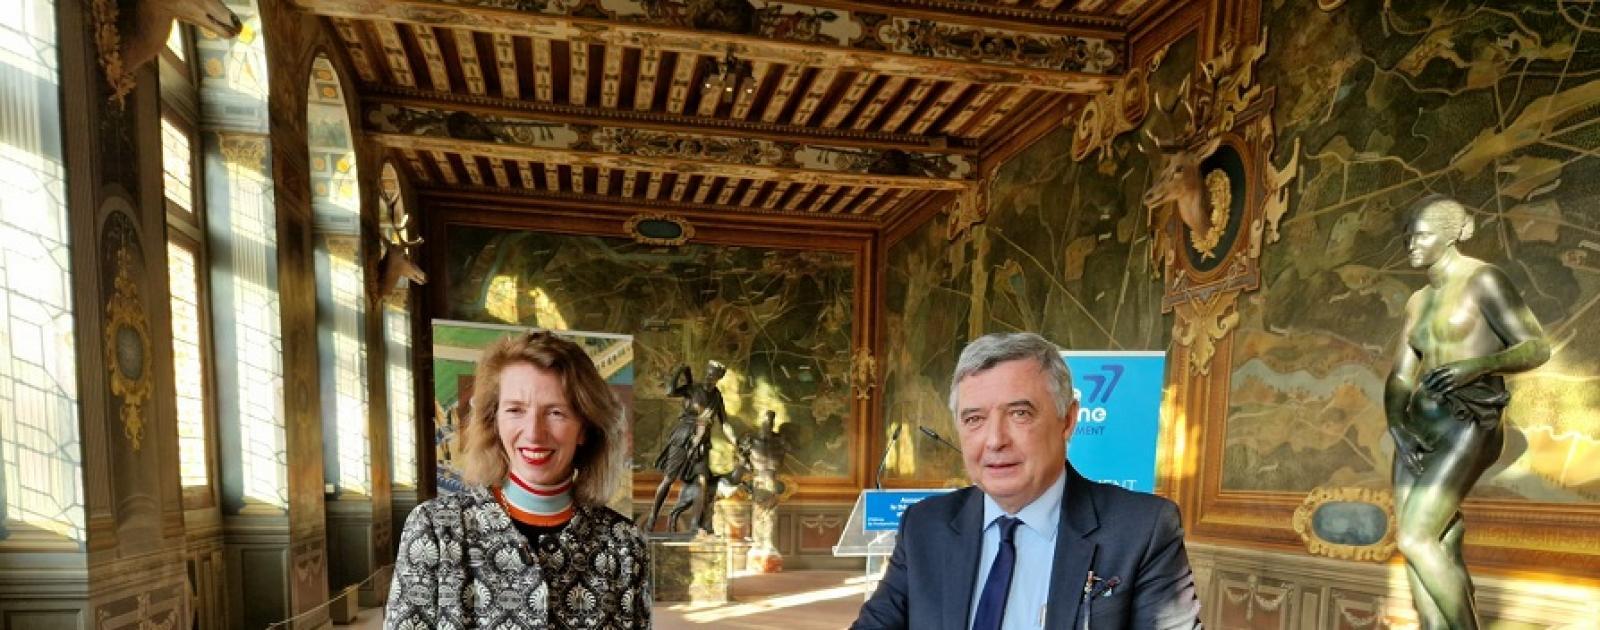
[123, 312]
[632, 225]
[1377, 552]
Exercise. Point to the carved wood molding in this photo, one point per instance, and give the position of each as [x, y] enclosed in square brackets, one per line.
[681, 166]
[910, 47]
[664, 121]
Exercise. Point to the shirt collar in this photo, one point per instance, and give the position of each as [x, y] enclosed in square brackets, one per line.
[1042, 516]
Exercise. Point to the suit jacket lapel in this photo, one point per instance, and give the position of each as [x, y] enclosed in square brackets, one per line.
[964, 548]
[1074, 554]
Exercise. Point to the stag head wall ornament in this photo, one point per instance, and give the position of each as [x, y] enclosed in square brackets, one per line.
[124, 43]
[1211, 106]
[396, 261]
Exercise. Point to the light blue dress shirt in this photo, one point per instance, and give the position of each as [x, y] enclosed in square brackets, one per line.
[1036, 555]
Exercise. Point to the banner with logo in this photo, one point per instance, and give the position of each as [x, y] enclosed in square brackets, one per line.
[1119, 415]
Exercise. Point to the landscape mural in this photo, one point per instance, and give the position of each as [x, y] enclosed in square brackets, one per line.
[780, 320]
[1494, 102]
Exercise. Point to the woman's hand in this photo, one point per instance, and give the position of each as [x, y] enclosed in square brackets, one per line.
[1453, 375]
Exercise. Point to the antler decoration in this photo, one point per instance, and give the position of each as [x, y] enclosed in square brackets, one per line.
[396, 263]
[1225, 88]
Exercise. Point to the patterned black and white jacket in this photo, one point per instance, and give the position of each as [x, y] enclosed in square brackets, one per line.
[462, 564]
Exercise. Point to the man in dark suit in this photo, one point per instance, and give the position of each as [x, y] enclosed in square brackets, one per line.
[1032, 544]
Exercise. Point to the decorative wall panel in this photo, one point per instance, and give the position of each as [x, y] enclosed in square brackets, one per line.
[1488, 102]
[780, 321]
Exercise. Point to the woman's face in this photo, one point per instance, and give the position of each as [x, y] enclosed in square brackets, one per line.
[1428, 240]
[538, 426]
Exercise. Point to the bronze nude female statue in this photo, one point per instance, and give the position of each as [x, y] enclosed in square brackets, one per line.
[1444, 399]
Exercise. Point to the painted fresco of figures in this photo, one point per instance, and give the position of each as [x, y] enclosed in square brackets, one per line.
[1444, 400]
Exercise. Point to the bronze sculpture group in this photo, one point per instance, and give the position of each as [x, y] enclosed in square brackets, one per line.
[686, 457]
[1463, 331]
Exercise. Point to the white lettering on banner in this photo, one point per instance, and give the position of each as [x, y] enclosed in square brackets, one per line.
[1092, 414]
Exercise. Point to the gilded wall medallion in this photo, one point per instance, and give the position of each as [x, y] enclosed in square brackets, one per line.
[127, 331]
[1347, 523]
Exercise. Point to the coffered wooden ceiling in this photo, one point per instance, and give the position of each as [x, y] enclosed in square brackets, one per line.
[854, 111]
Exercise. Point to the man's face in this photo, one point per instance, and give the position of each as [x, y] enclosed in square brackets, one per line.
[1013, 442]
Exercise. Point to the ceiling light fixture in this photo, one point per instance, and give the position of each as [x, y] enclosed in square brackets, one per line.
[730, 75]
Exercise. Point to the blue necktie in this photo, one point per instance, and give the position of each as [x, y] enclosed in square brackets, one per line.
[992, 604]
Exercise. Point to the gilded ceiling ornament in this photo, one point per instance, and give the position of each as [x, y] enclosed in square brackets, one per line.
[108, 46]
[127, 345]
[1115, 112]
[863, 373]
[1201, 323]
[1350, 516]
[1219, 193]
[971, 208]
[659, 229]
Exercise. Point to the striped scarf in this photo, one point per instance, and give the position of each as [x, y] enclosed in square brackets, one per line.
[533, 504]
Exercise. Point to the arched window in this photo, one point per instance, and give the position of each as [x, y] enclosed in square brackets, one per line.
[188, 264]
[397, 339]
[341, 291]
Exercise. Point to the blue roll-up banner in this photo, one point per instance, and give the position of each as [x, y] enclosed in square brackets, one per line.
[1119, 415]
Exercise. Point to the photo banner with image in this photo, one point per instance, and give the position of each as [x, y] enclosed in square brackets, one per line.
[1119, 415]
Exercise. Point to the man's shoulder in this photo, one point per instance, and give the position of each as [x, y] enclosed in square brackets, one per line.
[939, 507]
[1114, 501]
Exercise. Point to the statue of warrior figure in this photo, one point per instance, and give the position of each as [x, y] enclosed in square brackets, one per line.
[1444, 399]
[686, 456]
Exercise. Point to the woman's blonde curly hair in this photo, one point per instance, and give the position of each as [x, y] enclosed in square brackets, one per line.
[483, 457]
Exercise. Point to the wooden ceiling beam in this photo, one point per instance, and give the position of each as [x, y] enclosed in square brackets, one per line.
[1034, 15]
[747, 98]
[505, 64]
[432, 56]
[394, 54]
[471, 68]
[1011, 56]
[514, 198]
[628, 147]
[607, 219]
[543, 75]
[563, 113]
[886, 92]
[354, 48]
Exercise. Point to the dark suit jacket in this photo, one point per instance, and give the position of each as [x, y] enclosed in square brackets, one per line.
[1134, 537]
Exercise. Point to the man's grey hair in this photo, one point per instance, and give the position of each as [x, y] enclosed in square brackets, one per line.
[995, 348]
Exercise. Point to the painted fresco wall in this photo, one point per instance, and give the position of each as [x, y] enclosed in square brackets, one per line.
[779, 320]
[1065, 252]
[1493, 102]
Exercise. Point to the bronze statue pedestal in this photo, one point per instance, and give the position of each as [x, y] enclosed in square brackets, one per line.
[689, 569]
